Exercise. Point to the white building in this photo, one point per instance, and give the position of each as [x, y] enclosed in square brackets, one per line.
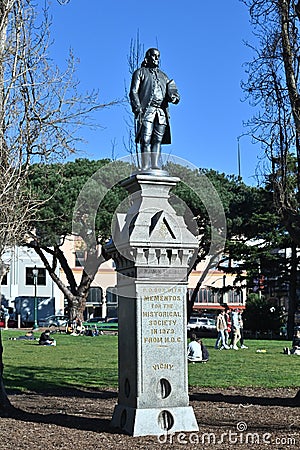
[20, 288]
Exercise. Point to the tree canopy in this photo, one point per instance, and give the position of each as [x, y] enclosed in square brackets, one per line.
[272, 86]
[76, 198]
[41, 112]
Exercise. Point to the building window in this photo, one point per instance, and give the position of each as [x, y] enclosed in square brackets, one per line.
[41, 278]
[79, 258]
[111, 295]
[95, 295]
[235, 296]
[205, 295]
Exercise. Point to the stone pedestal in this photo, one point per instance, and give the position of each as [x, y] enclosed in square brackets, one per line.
[152, 248]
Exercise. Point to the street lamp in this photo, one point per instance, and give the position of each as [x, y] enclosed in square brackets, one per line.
[35, 273]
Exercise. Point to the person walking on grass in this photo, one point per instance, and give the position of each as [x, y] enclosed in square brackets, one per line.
[221, 327]
[236, 328]
[242, 330]
[228, 330]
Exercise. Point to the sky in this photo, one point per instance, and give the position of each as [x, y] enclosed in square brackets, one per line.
[202, 45]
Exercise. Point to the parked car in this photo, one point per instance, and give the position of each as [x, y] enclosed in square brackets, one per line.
[201, 324]
[94, 321]
[53, 321]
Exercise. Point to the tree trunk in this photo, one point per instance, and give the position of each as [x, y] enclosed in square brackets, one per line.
[4, 401]
[76, 294]
[192, 300]
[76, 306]
[292, 305]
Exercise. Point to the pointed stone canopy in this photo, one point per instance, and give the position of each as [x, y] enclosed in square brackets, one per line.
[151, 233]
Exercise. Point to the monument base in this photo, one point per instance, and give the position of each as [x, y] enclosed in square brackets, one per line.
[154, 421]
[153, 250]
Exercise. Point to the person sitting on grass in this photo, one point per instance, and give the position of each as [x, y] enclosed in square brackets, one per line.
[194, 351]
[45, 339]
[69, 327]
[29, 336]
[205, 354]
[295, 350]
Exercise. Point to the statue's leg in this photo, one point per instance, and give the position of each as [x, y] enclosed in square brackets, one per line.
[155, 153]
[145, 157]
[158, 133]
[146, 133]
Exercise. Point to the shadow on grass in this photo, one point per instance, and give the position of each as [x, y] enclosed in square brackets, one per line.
[75, 383]
[247, 399]
[60, 383]
[47, 379]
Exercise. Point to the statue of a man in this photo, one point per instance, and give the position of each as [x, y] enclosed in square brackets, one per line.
[150, 93]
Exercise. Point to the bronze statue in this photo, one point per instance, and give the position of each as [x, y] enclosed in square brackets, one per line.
[150, 93]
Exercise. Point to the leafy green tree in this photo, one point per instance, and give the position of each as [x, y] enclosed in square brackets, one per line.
[255, 237]
[76, 198]
[41, 112]
[262, 314]
[225, 212]
[272, 86]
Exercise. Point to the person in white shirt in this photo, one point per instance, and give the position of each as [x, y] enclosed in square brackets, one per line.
[194, 351]
[236, 328]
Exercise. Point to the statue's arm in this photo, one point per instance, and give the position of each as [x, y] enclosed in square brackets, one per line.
[173, 94]
[134, 93]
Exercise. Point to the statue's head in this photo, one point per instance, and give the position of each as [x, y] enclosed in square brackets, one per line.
[151, 59]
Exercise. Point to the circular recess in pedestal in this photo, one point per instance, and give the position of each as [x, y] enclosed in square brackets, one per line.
[123, 418]
[164, 388]
[165, 420]
[127, 388]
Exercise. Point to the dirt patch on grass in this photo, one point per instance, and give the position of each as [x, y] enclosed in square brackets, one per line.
[80, 419]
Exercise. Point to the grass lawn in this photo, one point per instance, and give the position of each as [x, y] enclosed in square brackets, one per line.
[92, 362]
[246, 367]
[76, 361]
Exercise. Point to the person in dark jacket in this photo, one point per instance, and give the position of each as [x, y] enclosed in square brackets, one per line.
[45, 339]
[205, 353]
[150, 93]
